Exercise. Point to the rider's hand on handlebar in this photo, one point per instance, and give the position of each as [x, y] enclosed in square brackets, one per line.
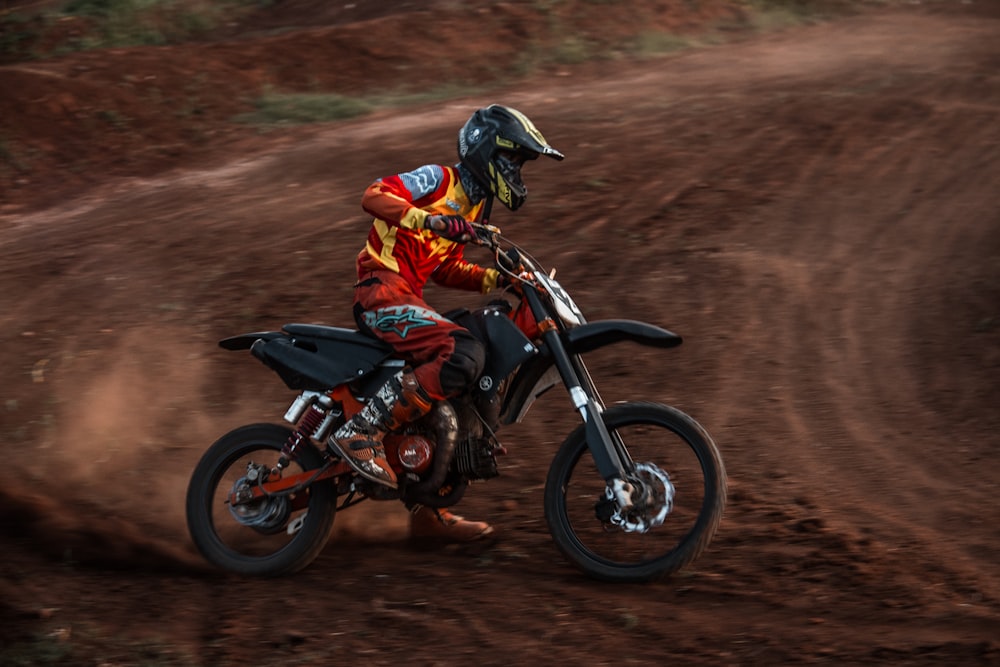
[452, 227]
[510, 260]
[505, 282]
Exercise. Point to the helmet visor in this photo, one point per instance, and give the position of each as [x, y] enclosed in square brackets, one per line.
[516, 157]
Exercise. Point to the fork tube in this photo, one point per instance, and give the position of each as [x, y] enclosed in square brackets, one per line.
[624, 458]
[599, 441]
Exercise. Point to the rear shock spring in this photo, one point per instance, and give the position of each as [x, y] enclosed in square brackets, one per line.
[308, 426]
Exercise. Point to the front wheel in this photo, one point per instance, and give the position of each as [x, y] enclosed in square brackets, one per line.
[270, 536]
[680, 466]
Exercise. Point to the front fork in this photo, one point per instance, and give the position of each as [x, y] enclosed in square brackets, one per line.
[610, 456]
[607, 449]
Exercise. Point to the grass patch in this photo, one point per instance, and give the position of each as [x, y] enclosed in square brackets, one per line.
[84, 647]
[115, 119]
[17, 33]
[574, 50]
[438, 94]
[769, 15]
[654, 43]
[273, 108]
[9, 157]
[42, 650]
[114, 23]
[118, 23]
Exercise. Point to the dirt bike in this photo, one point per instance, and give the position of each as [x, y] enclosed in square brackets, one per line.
[635, 492]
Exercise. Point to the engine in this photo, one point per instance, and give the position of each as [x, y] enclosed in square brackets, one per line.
[475, 458]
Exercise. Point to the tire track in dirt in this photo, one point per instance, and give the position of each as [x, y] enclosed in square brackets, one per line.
[852, 400]
[825, 270]
[800, 220]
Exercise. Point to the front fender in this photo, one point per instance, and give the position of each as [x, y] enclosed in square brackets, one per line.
[594, 335]
[538, 374]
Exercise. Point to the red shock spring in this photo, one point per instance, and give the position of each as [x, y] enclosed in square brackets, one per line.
[307, 426]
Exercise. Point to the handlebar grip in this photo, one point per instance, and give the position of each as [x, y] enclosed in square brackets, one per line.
[485, 234]
[510, 260]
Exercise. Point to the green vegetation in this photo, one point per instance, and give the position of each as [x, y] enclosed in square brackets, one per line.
[777, 14]
[297, 108]
[655, 42]
[276, 108]
[91, 24]
[65, 647]
[573, 50]
[16, 34]
[447, 91]
[117, 120]
[95, 24]
[42, 650]
[151, 22]
[9, 158]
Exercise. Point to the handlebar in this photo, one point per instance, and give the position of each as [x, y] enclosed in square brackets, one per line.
[486, 235]
[510, 262]
[526, 276]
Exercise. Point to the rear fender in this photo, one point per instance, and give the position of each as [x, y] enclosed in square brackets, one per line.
[313, 357]
[246, 341]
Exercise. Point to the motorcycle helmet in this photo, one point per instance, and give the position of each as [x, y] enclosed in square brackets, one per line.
[494, 143]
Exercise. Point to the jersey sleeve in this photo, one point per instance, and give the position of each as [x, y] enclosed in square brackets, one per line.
[398, 199]
[460, 273]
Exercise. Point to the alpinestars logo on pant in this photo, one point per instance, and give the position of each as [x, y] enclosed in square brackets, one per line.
[399, 319]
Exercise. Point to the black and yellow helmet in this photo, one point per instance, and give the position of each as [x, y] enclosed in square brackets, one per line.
[494, 143]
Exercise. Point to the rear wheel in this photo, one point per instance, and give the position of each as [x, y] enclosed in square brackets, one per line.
[676, 462]
[269, 536]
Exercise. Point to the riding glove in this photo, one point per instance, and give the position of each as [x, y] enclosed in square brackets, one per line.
[452, 227]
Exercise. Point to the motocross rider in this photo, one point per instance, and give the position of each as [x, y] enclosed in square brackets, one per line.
[419, 231]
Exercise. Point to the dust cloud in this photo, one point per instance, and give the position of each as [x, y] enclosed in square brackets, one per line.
[107, 481]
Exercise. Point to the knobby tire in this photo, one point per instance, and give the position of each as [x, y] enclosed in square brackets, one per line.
[574, 452]
[302, 548]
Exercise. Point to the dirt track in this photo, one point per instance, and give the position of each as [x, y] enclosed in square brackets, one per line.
[815, 211]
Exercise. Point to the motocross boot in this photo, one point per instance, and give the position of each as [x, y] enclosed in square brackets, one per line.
[359, 441]
[431, 525]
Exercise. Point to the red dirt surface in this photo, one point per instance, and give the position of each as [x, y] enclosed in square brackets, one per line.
[815, 211]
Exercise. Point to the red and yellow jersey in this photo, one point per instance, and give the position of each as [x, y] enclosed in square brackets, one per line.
[398, 241]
